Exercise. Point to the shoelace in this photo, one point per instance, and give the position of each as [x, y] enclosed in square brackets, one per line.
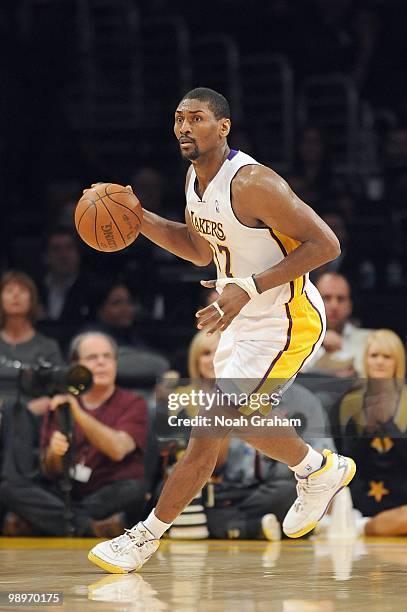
[306, 491]
[129, 538]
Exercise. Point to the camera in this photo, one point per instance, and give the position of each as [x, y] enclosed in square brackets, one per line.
[46, 379]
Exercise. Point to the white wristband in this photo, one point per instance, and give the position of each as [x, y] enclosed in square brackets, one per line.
[247, 284]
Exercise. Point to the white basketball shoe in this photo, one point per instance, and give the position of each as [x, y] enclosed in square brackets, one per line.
[315, 493]
[126, 553]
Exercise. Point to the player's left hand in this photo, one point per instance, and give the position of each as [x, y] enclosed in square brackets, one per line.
[231, 301]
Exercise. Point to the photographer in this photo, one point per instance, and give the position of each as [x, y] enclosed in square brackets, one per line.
[107, 449]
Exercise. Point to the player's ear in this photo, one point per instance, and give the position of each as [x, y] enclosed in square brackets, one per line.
[225, 128]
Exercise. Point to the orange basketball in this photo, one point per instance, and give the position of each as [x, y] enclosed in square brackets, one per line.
[108, 217]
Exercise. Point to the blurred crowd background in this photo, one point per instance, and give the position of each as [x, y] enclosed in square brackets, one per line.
[318, 92]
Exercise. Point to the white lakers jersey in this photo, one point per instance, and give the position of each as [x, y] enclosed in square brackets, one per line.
[240, 250]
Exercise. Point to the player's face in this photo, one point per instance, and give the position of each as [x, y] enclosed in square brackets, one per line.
[96, 353]
[380, 362]
[336, 295]
[16, 299]
[197, 130]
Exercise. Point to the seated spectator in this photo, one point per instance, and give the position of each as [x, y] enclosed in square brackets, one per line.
[341, 353]
[116, 315]
[139, 365]
[109, 437]
[373, 423]
[19, 340]
[65, 290]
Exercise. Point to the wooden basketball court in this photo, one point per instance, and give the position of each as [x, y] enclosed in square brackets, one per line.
[212, 576]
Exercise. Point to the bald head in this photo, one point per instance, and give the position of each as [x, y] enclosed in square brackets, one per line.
[335, 291]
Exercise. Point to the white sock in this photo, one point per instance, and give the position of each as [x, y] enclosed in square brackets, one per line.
[311, 462]
[155, 526]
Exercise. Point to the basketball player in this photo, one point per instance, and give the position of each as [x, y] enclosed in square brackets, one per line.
[264, 240]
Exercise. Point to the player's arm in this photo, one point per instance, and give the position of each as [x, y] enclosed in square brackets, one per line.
[266, 196]
[181, 239]
[263, 197]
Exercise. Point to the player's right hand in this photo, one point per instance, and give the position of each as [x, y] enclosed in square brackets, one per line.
[58, 444]
[128, 187]
[93, 185]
